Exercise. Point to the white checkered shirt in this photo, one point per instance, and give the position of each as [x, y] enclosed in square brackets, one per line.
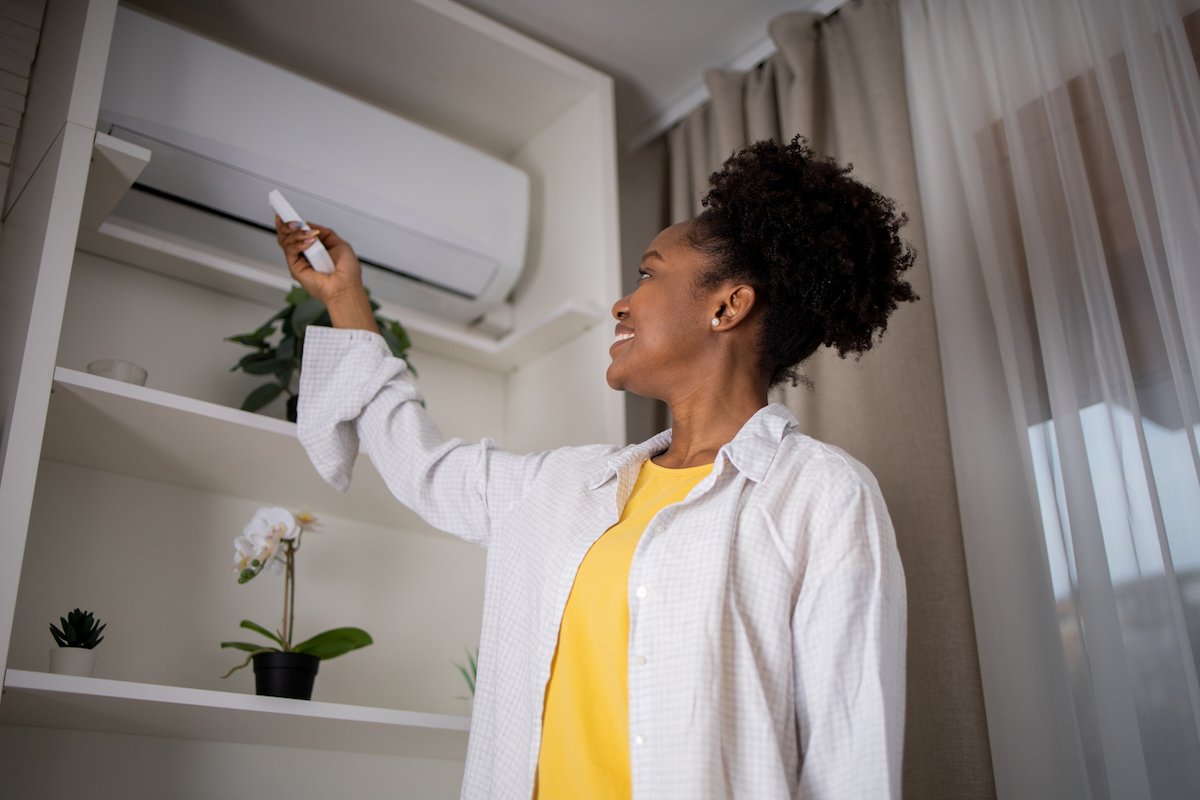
[769, 606]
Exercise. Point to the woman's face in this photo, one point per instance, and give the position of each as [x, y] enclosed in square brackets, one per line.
[664, 327]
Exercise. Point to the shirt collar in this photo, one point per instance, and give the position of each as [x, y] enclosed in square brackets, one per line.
[750, 452]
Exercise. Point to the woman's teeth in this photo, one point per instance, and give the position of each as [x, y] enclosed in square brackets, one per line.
[623, 336]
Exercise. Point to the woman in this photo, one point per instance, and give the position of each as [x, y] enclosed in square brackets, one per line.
[717, 612]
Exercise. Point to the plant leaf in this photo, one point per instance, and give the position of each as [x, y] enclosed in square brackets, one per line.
[283, 373]
[466, 677]
[394, 342]
[261, 396]
[401, 334]
[297, 296]
[249, 340]
[263, 362]
[334, 643]
[249, 647]
[286, 350]
[305, 314]
[260, 629]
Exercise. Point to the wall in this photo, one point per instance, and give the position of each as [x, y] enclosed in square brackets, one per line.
[562, 397]
[20, 27]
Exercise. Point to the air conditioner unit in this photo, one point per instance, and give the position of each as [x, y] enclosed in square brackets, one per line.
[438, 225]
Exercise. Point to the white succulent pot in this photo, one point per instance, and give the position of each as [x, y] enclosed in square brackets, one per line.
[72, 661]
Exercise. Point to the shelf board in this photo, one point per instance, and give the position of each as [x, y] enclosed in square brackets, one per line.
[93, 704]
[178, 257]
[116, 164]
[146, 433]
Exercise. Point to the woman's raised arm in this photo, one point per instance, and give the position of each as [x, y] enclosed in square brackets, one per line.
[353, 391]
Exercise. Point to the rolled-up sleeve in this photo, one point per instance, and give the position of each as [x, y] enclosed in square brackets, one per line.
[354, 393]
[849, 635]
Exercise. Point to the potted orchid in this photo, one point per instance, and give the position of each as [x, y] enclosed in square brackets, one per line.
[283, 669]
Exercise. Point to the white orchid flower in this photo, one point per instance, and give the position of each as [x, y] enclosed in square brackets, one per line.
[245, 552]
[282, 523]
[307, 521]
[260, 538]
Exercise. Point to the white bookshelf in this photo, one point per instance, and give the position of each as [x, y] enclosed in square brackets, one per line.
[90, 465]
[94, 704]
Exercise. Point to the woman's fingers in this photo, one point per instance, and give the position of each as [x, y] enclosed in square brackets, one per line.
[289, 232]
[294, 242]
[328, 236]
[340, 251]
[346, 278]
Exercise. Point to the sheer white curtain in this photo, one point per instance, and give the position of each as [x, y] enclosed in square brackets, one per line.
[1058, 153]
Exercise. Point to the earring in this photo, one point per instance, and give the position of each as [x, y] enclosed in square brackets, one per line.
[716, 321]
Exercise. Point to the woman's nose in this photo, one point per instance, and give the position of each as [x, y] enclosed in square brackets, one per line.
[620, 309]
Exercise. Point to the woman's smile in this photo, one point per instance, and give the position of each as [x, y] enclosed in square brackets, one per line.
[623, 334]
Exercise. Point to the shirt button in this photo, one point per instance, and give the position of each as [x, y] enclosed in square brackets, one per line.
[642, 591]
[640, 661]
[659, 529]
[639, 739]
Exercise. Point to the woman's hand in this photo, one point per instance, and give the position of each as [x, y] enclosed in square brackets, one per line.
[342, 290]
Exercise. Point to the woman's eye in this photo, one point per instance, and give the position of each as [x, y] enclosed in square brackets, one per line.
[642, 275]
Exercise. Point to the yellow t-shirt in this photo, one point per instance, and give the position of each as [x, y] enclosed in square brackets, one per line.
[585, 724]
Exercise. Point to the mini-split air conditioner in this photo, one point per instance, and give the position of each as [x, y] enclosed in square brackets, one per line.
[438, 225]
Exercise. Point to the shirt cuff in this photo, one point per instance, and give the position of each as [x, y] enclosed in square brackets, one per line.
[342, 373]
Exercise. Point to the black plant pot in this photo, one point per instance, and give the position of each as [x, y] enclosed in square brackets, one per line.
[285, 674]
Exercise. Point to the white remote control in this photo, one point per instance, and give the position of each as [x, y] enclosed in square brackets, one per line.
[317, 255]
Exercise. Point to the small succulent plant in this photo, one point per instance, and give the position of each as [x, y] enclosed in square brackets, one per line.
[79, 629]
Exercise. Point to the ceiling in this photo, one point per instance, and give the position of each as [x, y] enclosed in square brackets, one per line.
[656, 50]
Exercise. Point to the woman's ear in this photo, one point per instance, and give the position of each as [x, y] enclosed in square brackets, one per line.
[734, 307]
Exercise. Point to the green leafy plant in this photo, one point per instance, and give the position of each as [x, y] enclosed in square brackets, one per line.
[468, 671]
[272, 538]
[79, 629]
[282, 357]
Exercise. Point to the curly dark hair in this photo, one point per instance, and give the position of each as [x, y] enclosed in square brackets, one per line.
[822, 249]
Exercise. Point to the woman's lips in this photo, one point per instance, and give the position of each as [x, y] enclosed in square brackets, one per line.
[622, 336]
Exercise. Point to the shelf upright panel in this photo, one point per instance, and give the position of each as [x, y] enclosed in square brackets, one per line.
[37, 245]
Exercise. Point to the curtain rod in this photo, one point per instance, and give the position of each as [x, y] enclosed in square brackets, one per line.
[697, 96]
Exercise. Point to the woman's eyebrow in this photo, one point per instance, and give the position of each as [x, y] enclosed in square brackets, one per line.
[651, 254]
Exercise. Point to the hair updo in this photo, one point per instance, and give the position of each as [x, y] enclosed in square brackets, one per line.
[821, 249]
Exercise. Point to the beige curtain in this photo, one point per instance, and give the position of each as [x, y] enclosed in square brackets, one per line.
[840, 82]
